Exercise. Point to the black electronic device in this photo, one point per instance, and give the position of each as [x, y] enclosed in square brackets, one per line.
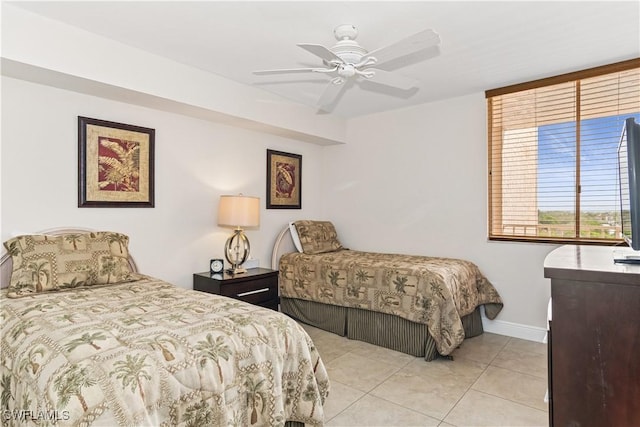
[629, 187]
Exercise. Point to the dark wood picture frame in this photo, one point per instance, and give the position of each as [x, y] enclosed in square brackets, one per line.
[284, 180]
[115, 164]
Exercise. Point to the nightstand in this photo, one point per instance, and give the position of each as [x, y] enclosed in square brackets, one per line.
[257, 286]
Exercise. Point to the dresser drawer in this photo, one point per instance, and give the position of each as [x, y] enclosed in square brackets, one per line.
[254, 291]
[257, 286]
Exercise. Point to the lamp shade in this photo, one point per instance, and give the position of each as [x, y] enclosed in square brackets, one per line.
[239, 211]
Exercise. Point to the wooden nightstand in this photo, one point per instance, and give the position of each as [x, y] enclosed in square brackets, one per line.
[257, 286]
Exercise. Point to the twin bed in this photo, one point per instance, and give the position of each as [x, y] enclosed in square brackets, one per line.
[423, 306]
[87, 340]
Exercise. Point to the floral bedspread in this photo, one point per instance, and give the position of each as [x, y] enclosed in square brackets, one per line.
[428, 290]
[149, 353]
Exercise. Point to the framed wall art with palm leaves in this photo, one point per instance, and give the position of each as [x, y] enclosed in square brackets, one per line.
[284, 177]
[115, 164]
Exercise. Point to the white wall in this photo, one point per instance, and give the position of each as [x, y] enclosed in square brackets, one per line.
[415, 181]
[411, 181]
[195, 162]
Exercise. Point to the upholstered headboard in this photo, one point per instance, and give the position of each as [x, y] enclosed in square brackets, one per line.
[6, 265]
[283, 244]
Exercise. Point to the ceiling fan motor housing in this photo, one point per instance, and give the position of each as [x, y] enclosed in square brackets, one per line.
[347, 48]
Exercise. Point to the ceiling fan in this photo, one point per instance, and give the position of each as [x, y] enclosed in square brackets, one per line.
[348, 60]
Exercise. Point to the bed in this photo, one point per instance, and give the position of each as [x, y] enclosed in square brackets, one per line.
[87, 340]
[423, 306]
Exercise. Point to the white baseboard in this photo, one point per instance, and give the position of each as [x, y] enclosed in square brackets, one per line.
[516, 330]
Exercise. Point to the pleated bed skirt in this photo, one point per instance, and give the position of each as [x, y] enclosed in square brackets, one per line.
[376, 328]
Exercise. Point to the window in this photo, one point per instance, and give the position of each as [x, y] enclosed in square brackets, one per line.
[553, 143]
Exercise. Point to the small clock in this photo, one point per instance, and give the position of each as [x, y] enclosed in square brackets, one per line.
[216, 266]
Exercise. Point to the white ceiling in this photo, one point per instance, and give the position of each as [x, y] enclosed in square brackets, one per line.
[484, 44]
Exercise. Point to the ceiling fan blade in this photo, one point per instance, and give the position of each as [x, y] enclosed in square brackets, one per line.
[422, 40]
[321, 51]
[329, 95]
[393, 79]
[292, 70]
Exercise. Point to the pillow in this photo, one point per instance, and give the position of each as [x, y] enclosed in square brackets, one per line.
[317, 237]
[43, 263]
[295, 237]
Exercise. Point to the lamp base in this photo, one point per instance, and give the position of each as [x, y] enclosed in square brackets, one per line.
[237, 251]
[238, 270]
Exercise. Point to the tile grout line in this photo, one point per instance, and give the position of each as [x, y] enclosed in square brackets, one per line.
[509, 400]
[466, 391]
[514, 371]
[365, 393]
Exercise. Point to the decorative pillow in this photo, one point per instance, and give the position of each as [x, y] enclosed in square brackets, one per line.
[43, 263]
[317, 237]
[295, 237]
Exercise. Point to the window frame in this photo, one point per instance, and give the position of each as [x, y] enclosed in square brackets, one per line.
[576, 77]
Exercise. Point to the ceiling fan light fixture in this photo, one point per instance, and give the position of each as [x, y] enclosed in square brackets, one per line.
[347, 70]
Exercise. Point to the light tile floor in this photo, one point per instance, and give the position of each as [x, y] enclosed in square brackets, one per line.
[493, 381]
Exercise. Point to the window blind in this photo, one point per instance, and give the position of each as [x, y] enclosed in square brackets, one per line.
[553, 169]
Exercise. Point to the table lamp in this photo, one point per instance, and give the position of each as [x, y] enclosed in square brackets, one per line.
[238, 212]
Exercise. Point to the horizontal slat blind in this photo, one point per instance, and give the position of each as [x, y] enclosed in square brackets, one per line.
[553, 156]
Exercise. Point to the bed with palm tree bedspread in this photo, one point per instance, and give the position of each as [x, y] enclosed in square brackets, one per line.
[142, 351]
[427, 300]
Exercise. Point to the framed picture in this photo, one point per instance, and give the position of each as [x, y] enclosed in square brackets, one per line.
[284, 177]
[115, 164]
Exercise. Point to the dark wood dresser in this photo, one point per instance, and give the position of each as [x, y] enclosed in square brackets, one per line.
[594, 338]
